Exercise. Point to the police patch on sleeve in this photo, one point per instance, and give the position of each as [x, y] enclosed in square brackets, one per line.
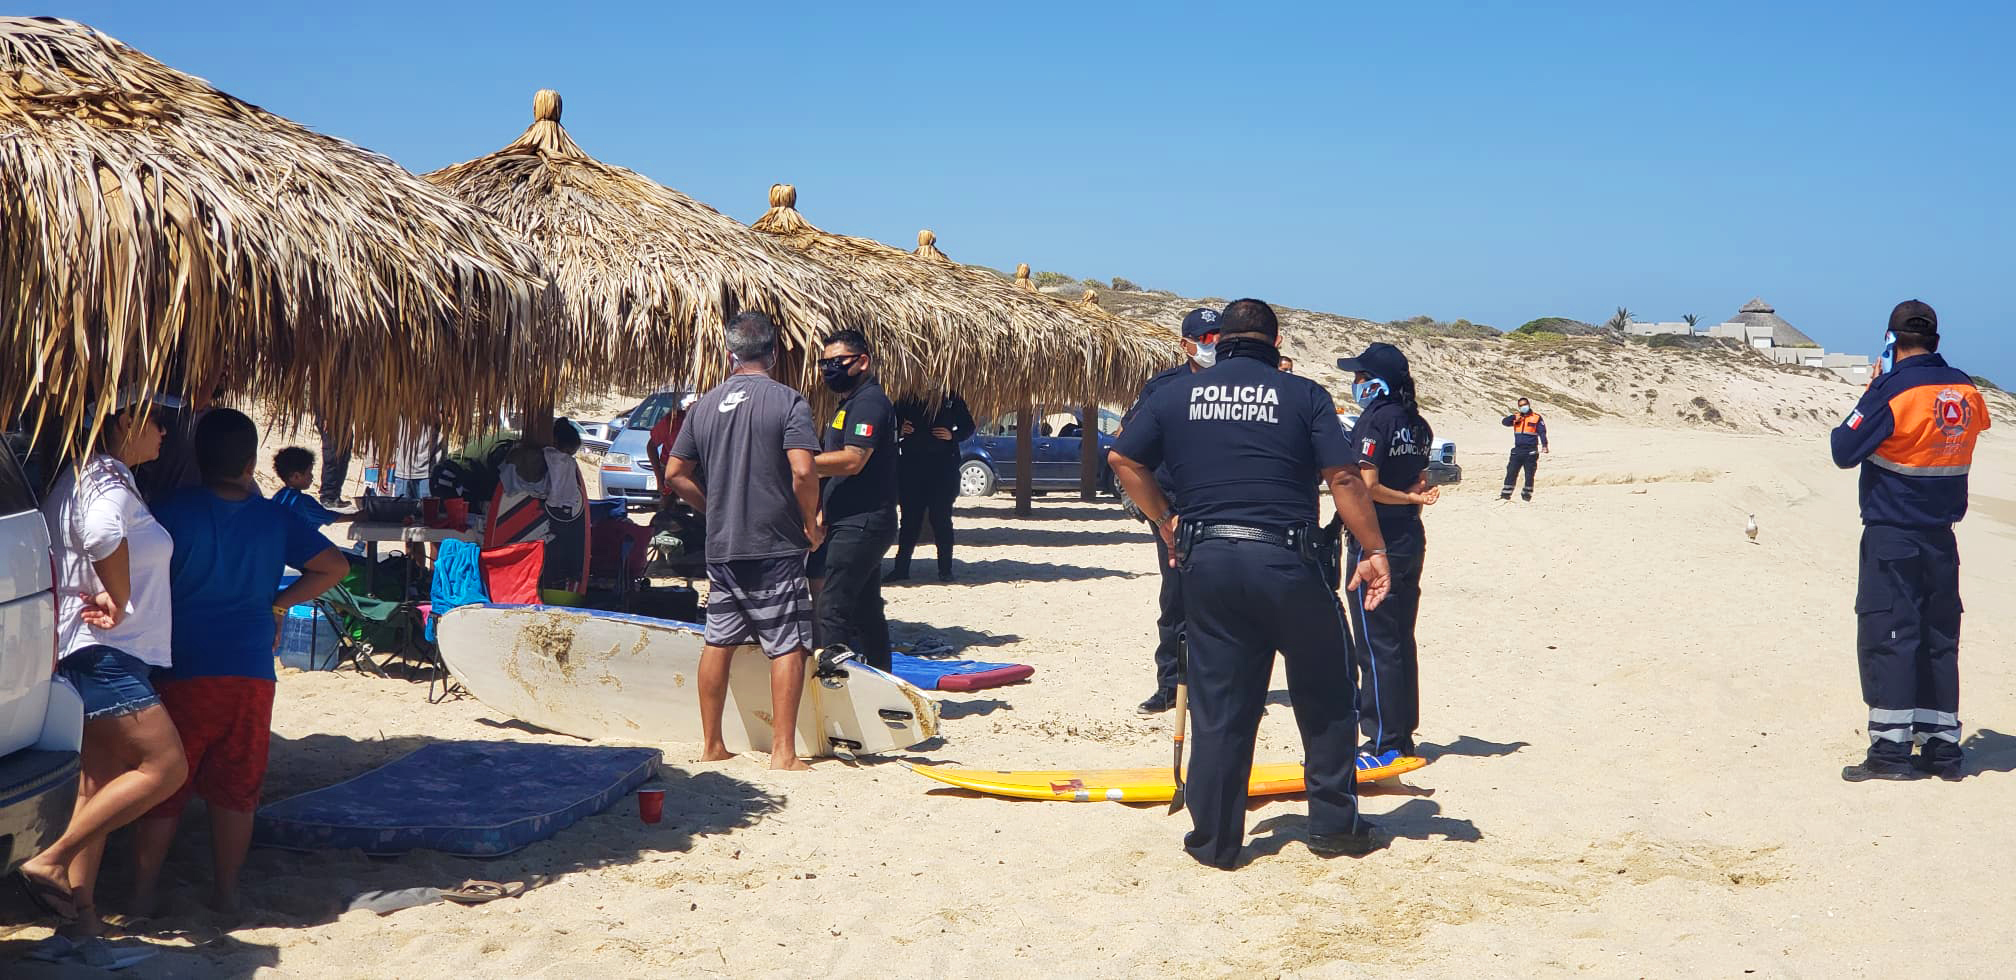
[1371, 446]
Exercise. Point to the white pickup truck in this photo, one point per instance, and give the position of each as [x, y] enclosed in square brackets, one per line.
[41, 720]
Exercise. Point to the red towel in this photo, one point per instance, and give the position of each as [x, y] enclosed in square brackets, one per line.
[511, 572]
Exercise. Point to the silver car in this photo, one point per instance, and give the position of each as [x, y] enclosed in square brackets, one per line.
[626, 464]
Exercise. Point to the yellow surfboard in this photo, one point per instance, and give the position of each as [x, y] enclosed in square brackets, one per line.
[1152, 785]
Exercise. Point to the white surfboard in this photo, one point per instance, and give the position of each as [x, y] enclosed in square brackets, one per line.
[599, 674]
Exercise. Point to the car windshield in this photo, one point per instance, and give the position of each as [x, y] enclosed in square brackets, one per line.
[654, 408]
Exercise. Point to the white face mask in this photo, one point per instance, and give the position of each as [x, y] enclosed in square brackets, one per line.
[1207, 355]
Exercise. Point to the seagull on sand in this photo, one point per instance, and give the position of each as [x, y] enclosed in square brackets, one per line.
[1750, 527]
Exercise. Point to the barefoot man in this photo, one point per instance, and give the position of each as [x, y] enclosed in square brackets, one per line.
[753, 439]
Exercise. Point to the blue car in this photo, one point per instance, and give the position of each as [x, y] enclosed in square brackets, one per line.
[987, 458]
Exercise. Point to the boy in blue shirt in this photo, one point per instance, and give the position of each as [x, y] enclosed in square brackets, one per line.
[295, 467]
[231, 547]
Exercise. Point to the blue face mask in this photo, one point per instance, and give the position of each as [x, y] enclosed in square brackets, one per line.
[1364, 391]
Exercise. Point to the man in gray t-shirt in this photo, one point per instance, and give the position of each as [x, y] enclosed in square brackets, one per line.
[754, 440]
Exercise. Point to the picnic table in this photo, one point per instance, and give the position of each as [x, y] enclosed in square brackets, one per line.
[373, 533]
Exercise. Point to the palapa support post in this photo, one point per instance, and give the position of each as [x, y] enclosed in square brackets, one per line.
[1025, 456]
[1088, 433]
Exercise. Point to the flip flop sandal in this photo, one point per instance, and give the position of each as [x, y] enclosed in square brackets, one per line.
[50, 897]
[476, 892]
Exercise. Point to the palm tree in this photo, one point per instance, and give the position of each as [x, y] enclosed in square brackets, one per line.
[1622, 320]
[1691, 319]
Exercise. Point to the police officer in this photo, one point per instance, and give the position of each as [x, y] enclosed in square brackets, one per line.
[1200, 344]
[927, 474]
[1244, 445]
[857, 502]
[1913, 434]
[1392, 441]
[1529, 439]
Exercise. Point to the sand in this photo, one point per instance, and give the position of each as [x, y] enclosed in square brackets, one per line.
[1637, 719]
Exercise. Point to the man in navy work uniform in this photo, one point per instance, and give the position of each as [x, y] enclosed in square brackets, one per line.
[1244, 445]
[1529, 440]
[1913, 434]
[1200, 342]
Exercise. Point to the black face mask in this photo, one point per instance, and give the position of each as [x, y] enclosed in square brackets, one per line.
[1252, 347]
[837, 378]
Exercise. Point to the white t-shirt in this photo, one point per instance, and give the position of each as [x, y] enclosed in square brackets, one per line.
[90, 511]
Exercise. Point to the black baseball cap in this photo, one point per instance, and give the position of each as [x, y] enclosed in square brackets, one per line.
[1199, 322]
[1914, 316]
[1382, 361]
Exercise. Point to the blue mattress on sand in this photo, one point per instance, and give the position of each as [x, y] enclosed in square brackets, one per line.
[474, 799]
[956, 675]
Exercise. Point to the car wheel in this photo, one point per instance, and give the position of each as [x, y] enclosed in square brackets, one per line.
[976, 479]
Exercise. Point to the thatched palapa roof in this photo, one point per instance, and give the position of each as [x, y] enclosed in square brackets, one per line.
[152, 225]
[980, 334]
[648, 276]
[1758, 313]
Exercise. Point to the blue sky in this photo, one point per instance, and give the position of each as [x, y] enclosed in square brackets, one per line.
[1495, 161]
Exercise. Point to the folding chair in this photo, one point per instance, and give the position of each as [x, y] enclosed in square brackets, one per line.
[371, 631]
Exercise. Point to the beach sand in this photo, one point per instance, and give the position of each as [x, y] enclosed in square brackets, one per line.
[1637, 719]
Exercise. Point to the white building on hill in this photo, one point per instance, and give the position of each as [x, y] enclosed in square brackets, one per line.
[1759, 326]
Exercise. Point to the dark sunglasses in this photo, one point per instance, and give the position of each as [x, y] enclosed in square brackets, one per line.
[842, 360]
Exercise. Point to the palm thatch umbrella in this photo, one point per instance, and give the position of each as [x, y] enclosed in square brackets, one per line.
[1760, 317]
[648, 276]
[997, 344]
[151, 225]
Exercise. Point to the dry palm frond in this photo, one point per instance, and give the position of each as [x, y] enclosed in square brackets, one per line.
[648, 276]
[927, 247]
[965, 328]
[156, 231]
[1022, 280]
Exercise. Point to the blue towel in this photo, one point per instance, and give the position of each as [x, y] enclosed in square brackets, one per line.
[458, 580]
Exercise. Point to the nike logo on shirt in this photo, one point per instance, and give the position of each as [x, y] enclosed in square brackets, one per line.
[729, 402]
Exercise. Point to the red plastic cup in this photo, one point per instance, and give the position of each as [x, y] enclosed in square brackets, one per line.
[457, 511]
[650, 805]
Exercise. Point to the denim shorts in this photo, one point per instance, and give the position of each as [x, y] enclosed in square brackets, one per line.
[111, 683]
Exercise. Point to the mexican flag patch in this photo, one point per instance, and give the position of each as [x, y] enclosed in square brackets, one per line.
[864, 430]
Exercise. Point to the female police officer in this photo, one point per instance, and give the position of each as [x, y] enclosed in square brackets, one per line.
[1243, 445]
[1392, 441]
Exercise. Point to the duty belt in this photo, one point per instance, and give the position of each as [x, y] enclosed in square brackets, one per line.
[1321, 546]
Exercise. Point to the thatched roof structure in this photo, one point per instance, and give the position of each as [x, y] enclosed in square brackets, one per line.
[1758, 313]
[152, 226]
[648, 276]
[977, 332]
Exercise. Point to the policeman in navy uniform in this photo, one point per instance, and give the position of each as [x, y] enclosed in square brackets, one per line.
[1392, 441]
[1913, 434]
[1200, 343]
[1244, 445]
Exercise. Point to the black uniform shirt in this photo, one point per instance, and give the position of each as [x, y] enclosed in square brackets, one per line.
[1383, 439]
[1148, 389]
[952, 415]
[866, 419]
[1243, 442]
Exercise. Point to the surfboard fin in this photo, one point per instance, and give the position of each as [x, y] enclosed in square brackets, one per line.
[831, 658]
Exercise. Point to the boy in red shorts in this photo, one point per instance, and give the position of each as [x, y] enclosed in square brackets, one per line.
[231, 548]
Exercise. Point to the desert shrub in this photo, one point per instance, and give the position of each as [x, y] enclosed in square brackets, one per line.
[1126, 285]
[1094, 283]
[1666, 340]
[1985, 384]
[1045, 279]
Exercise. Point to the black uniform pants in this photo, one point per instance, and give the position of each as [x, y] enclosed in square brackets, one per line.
[1389, 670]
[929, 486]
[1169, 623]
[850, 596]
[1907, 609]
[1243, 601]
[335, 464]
[1527, 459]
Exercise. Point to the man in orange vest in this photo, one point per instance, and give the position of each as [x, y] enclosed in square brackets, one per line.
[1529, 439]
[1913, 435]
